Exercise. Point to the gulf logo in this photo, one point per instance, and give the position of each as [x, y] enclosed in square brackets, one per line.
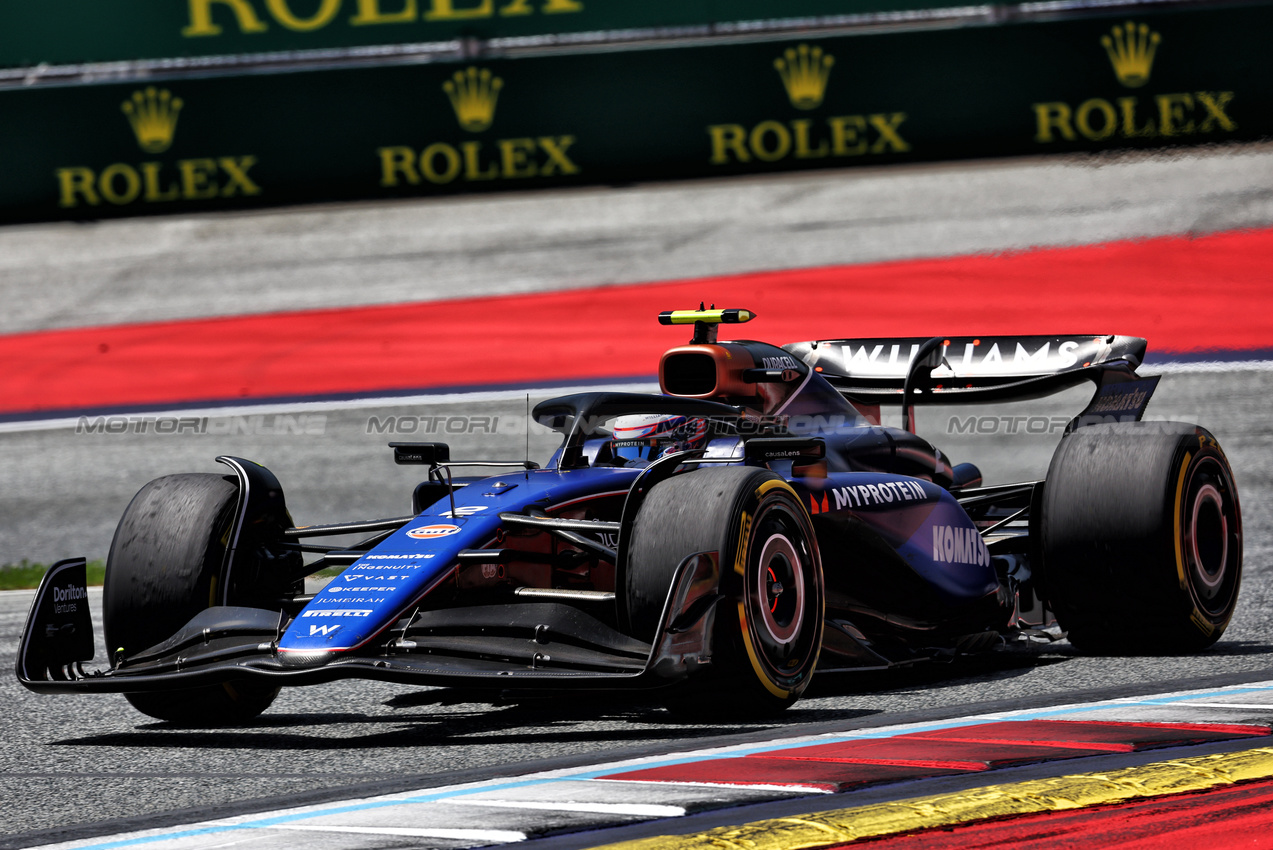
[428, 532]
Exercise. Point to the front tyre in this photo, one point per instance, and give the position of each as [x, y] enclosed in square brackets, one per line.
[769, 629]
[1141, 538]
[164, 567]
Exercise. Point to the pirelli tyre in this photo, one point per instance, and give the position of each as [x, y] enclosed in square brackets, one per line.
[768, 630]
[165, 565]
[1141, 538]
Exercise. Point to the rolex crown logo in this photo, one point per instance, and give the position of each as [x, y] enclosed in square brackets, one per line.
[153, 114]
[804, 71]
[473, 93]
[1131, 51]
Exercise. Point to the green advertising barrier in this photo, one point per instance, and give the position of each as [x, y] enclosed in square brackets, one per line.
[1099, 83]
[78, 31]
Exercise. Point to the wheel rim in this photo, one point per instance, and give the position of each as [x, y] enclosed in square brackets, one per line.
[1210, 525]
[1207, 536]
[780, 590]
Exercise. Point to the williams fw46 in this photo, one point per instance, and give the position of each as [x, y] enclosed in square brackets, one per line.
[717, 543]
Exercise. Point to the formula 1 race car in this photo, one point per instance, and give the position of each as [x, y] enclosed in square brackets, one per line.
[720, 542]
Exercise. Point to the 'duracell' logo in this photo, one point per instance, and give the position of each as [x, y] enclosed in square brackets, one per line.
[1131, 50]
[804, 72]
[152, 115]
[473, 94]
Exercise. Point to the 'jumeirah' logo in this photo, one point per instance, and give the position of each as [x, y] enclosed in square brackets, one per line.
[1131, 52]
[473, 93]
[153, 114]
[804, 71]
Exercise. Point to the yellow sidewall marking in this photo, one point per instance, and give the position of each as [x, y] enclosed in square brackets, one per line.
[824, 829]
[756, 663]
[772, 483]
[1195, 616]
[744, 537]
[1180, 555]
[740, 567]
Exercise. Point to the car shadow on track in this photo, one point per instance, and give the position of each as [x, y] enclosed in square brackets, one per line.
[458, 717]
[461, 719]
[934, 675]
[1238, 648]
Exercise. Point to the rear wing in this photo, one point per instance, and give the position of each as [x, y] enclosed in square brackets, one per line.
[966, 370]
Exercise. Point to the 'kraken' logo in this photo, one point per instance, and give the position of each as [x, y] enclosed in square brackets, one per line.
[804, 71]
[153, 114]
[473, 93]
[1131, 52]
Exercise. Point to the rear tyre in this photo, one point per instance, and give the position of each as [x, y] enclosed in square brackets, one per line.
[769, 627]
[164, 567]
[1141, 538]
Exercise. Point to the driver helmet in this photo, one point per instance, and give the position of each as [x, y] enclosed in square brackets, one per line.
[640, 438]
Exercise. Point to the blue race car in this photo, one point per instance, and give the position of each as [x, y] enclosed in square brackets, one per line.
[718, 542]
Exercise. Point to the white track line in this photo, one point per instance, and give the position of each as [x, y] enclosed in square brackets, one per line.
[502, 836]
[649, 810]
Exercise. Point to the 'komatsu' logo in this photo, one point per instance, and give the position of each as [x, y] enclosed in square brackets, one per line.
[959, 546]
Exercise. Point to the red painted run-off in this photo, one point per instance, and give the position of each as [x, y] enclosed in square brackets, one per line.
[1232, 816]
[849, 764]
[1212, 293]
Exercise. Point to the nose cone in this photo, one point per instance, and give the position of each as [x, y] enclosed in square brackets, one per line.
[304, 660]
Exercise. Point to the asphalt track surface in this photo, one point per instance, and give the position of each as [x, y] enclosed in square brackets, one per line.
[70, 763]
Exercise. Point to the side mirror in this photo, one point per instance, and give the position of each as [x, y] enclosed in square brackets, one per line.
[794, 449]
[421, 453]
